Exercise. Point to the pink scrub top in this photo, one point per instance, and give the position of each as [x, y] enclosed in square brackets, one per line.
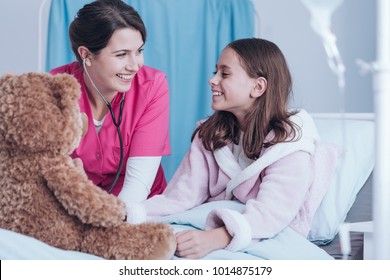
[144, 128]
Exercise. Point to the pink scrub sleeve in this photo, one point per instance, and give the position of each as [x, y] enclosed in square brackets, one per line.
[151, 135]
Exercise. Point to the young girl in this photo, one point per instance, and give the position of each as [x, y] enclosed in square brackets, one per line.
[252, 149]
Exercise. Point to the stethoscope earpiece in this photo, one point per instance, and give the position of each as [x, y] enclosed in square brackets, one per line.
[85, 61]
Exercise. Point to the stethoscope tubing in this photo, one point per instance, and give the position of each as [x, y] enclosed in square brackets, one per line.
[116, 123]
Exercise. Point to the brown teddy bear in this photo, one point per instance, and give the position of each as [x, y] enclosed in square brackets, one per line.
[42, 192]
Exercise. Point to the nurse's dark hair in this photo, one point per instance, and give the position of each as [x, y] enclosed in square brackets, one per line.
[95, 23]
[259, 58]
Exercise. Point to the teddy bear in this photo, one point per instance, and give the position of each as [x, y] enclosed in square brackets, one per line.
[44, 194]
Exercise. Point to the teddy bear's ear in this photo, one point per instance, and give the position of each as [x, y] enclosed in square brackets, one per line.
[66, 89]
[5, 86]
[6, 76]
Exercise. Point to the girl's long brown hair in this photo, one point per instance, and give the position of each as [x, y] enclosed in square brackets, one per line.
[259, 58]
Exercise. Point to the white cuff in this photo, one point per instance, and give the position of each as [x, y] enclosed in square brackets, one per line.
[236, 224]
[136, 213]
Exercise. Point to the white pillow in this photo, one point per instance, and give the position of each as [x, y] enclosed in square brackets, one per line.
[353, 169]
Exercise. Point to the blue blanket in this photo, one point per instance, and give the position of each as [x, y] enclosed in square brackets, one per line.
[287, 245]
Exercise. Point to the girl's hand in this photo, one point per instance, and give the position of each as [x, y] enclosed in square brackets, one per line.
[195, 244]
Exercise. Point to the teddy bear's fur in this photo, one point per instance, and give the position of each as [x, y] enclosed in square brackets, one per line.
[43, 194]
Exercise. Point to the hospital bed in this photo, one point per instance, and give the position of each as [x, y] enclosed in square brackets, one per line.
[360, 212]
[348, 199]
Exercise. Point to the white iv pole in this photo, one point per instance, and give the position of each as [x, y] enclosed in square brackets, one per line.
[381, 198]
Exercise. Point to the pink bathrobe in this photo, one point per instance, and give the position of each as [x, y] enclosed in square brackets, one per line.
[284, 187]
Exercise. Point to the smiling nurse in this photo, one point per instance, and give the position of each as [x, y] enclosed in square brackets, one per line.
[127, 103]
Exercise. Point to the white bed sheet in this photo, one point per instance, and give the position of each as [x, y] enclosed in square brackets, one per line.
[287, 245]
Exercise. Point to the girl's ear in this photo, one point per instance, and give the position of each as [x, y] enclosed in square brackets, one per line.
[260, 87]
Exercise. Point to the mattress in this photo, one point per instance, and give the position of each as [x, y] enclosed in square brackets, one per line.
[360, 211]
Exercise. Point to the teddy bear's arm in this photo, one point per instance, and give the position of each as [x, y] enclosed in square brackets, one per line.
[79, 196]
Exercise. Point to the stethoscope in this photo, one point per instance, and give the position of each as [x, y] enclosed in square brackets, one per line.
[116, 123]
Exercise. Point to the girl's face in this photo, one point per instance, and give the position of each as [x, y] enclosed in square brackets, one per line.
[231, 86]
[113, 69]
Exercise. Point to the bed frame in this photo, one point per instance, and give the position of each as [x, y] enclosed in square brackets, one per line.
[354, 240]
[354, 247]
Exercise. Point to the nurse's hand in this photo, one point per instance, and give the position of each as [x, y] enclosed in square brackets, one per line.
[78, 163]
[135, 213]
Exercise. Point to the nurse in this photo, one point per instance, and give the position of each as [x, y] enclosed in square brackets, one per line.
[127, 103]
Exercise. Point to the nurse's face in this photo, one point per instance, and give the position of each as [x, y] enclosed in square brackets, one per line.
[113, 69]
